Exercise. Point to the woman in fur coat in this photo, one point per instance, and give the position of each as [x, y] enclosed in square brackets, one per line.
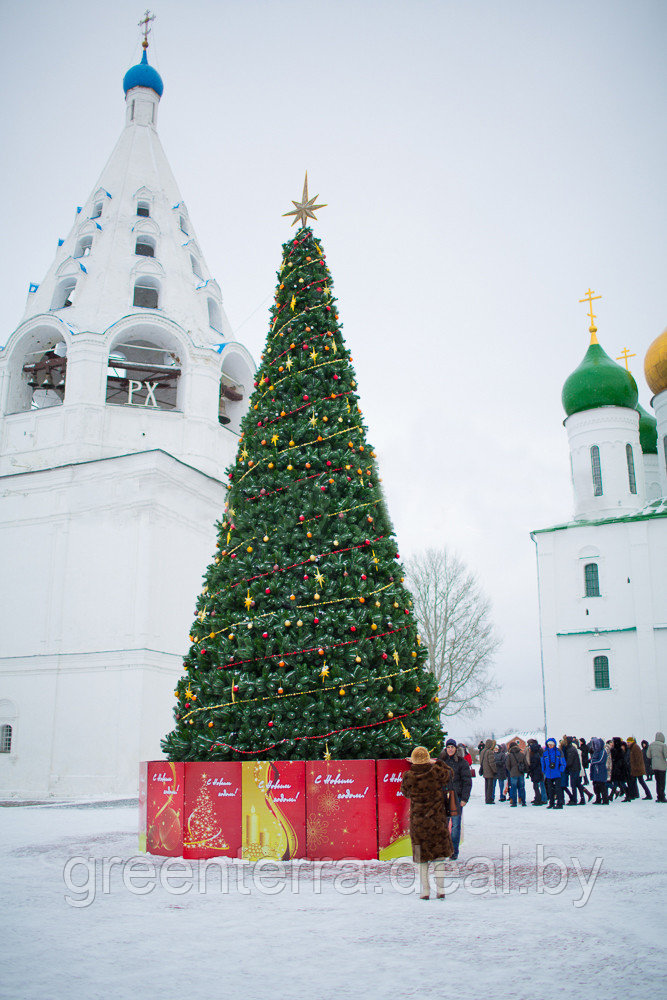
[424, 784]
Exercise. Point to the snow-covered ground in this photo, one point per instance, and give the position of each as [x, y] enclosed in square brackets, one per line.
[511, 926]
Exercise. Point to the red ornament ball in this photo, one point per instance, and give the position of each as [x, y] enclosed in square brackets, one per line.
[203, 652]
[270, 723]
[353, 628]
[236, 689]
[336, 377]
[268, 590]
[328, 463]
[316, 621]
[305, 398]
[265, 635]
[302, 517]
[384, 656]
[363, 576]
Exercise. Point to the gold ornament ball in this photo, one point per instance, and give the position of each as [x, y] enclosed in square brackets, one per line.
[389, 688]
[316, 597]
[341, 692]
[288, 623]
[390, 715]
[655, 364]
[357, 659]
[266, 538]
[249, 625]
[299, 623]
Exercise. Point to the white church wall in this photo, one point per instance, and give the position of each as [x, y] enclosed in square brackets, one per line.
[626, 623]
[107, 559]
[659, 404]
[610, 429]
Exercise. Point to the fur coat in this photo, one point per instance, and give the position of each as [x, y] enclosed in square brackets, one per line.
[636, 761]
[424, 785]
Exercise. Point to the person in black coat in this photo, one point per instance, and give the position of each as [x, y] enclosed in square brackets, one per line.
[648, 767]
[619, 770]
[535, 773]
[461, 784]
[585, 758]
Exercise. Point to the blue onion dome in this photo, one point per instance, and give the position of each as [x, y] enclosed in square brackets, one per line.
[143, 75]
[648, 431]
[598, 381]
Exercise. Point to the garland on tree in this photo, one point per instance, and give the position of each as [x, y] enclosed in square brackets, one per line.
[304, 644]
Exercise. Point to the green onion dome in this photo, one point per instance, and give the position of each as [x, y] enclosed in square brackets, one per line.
[648, 431]
[598, 381]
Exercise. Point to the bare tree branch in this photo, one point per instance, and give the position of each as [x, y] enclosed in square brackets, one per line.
[455, 622]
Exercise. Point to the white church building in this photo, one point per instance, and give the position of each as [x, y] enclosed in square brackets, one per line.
[602, 576]
[121, 395]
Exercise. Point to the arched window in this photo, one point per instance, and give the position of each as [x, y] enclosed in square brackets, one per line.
[145, 246]
[147, 292]
[143, 209]
[5, 738]
[183, 222]
[196, 268]
[596, 470]
[62, 297]
[632, 479]
[143, 372]
[83, 245]
[591, 580]
[214, 316]
[97, 210]
[601, 672]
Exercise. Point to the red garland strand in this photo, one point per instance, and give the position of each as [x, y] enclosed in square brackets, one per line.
[322, 736]
[310, 403]
[312, 649]
[304, 479]
[311, 336]
[306, 562]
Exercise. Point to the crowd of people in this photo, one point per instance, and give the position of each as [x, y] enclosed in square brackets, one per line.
[439, 789]
[615, 768]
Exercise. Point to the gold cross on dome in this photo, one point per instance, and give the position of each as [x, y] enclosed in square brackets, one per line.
[624, 355]
[144, 24]
[306, 208]
[590, 298]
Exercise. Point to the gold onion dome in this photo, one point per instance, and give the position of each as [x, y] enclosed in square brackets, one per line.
[655, 364]
[598, 381]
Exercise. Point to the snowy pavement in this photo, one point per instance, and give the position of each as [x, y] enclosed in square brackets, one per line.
[514, 924]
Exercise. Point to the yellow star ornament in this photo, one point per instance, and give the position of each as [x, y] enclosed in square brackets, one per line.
[304, 209]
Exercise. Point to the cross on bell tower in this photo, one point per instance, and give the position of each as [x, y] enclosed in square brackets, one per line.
[144, 24]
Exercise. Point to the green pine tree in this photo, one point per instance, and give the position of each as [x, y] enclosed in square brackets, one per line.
[304, 642]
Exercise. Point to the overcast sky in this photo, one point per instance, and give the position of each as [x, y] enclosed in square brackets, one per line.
[484, 163]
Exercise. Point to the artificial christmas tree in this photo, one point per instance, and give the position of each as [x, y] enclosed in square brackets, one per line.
[304, 645]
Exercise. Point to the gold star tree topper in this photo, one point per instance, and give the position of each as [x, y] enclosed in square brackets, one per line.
[306, 208]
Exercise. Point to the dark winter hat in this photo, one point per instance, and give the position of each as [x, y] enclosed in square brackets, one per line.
[451, 743]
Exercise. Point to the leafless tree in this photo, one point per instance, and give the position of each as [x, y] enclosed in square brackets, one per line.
[455, 622]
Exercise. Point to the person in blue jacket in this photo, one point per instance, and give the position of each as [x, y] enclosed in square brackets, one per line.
[553, 766]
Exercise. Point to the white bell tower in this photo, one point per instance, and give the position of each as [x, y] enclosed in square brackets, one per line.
[121, 395]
